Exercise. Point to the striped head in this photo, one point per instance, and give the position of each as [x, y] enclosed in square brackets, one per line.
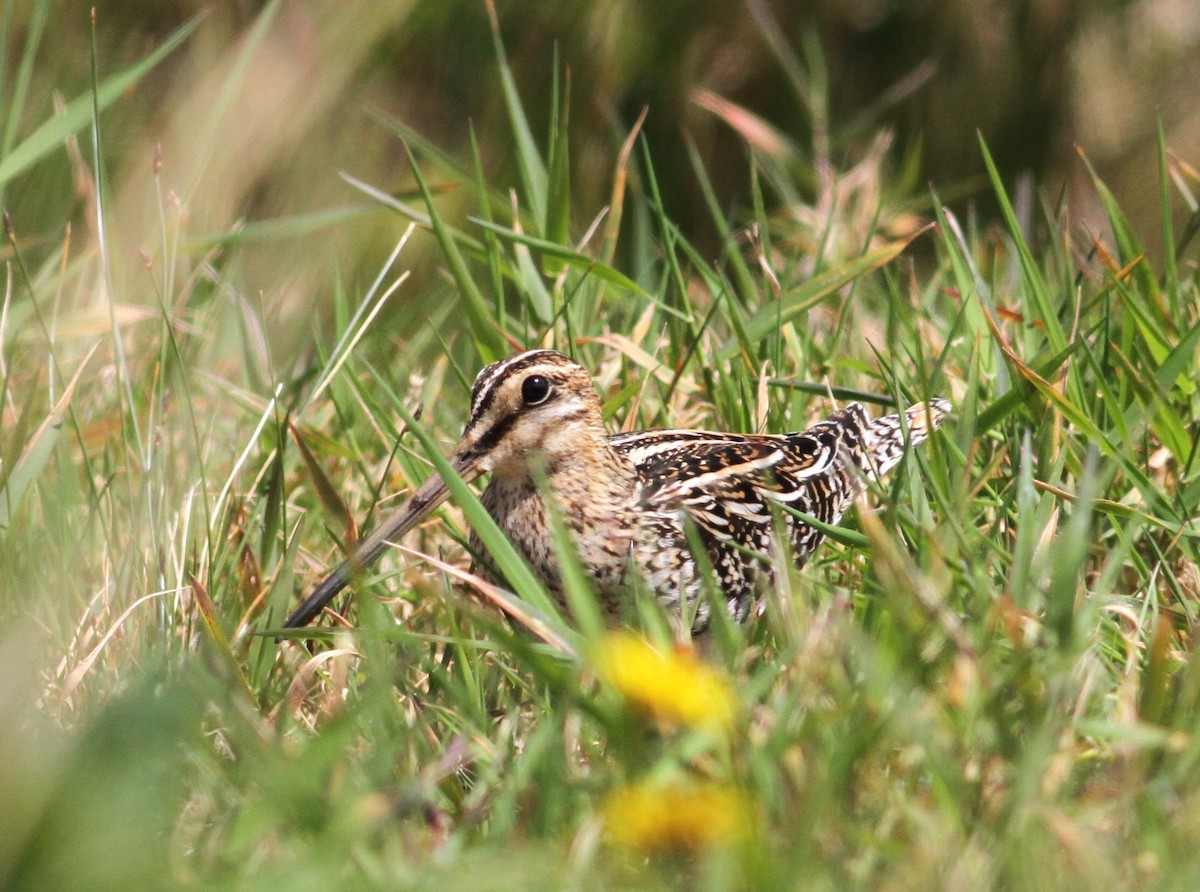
[539, 403]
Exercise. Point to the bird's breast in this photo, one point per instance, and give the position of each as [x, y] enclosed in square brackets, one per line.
[602, 527]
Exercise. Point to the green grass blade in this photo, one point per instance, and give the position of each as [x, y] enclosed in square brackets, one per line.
[502, 551]
[1170, 267]
[487, 339]
[558, 199]
[41, 445]
[1035, 284]
[799, 300]
[569, 256]
[534, 177]
[19, 90]
[51, 135]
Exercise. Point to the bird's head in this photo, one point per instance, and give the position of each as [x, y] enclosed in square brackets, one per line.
[538, 406]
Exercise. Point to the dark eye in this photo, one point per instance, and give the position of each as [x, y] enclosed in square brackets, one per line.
[534, 390]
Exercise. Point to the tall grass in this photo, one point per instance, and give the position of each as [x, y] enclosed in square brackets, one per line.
[986, 680]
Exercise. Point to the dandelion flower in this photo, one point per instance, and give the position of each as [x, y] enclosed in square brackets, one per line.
[677, 817]
[673, 687]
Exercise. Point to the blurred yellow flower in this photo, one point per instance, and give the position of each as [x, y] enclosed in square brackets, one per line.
[675, 688]
[677, 818]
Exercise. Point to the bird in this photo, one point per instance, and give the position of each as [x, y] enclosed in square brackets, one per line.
[629, 500]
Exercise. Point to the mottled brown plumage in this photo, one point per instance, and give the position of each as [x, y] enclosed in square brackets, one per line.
[629, 498]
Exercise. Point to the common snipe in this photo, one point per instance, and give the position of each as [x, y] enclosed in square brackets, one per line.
[627, 498]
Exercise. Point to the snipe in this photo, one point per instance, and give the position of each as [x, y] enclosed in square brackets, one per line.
[628, 498]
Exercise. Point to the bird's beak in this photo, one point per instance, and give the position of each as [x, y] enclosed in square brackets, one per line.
[427, 497]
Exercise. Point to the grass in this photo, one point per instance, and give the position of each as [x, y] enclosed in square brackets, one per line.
[988, 681]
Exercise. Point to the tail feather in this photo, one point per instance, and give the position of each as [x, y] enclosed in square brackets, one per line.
[888, 439]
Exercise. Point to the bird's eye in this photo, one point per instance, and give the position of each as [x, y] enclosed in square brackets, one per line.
[534, 390]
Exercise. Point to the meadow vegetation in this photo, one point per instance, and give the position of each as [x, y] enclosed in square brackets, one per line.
[987, 679]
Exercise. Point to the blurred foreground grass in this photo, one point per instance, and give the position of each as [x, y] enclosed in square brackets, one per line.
[990, 680]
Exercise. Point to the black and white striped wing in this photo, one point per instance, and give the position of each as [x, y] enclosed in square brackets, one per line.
[726, 482]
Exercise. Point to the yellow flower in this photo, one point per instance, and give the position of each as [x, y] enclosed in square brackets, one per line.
[675, 687]
[677, 818]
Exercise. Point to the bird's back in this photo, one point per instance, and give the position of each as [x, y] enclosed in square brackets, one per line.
[680, 466]
[727, 484]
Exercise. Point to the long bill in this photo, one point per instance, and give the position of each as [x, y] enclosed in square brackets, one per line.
[419, 505]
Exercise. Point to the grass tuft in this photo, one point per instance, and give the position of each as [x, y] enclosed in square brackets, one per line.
[989, 679]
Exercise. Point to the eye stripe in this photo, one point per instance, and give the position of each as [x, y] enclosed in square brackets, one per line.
[500, 429]
[489, 440]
